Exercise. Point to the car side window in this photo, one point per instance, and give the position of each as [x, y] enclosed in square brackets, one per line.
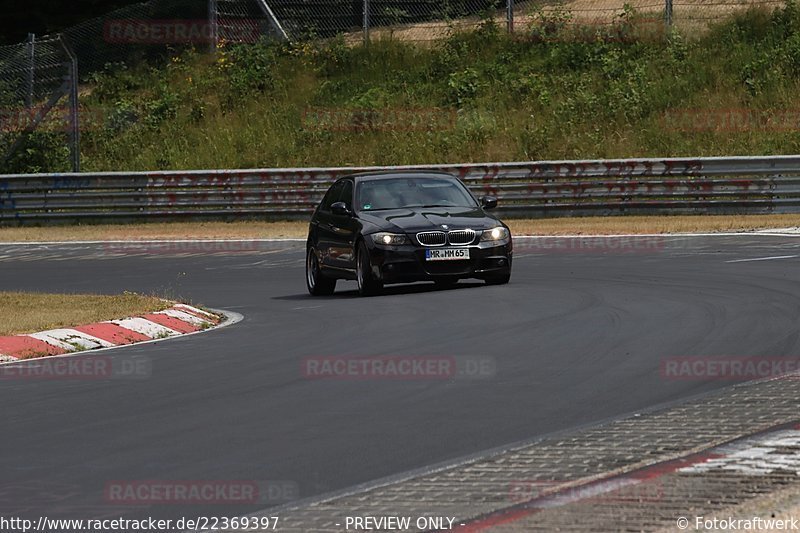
[332, 196]
[346, 195]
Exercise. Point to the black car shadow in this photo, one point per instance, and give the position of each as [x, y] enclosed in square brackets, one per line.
[391, 290]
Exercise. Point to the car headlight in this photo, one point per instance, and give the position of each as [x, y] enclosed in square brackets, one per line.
[495, 234]
[389, 239]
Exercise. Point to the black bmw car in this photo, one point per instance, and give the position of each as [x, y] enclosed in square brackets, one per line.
[402, 227]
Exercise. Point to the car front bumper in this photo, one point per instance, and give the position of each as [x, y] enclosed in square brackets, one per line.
[407, 263]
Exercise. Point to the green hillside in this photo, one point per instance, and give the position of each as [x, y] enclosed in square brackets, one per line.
[552, 91]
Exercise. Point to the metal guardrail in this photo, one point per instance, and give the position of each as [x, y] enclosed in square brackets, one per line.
[548, 188]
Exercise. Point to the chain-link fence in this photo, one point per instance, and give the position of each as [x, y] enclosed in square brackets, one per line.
[427, 20]
[38, 91]
[655, 16]
[39, 79]
[418, 20]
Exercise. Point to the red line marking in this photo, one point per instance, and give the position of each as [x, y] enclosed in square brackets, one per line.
[24, 347]
[112, 333]
[646, 474]
[209, 318]
[172, 323]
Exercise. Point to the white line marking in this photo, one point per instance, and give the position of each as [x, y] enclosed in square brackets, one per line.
[185, 317]
[146, 327]
[77, 339]
[651, 235]
[591, 490]
[763, 258]
[135, 242]
[757, 457]
[52, 341]
[192, 309]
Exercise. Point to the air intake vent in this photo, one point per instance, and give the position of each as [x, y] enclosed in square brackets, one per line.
[432, 238]
[461, 236]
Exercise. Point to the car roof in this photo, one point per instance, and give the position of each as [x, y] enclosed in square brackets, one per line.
[388, 174]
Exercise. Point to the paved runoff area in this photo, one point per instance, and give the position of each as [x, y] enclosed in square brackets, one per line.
[673, 468]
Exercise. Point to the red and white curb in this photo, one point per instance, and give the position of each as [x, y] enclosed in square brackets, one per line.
[180, 319]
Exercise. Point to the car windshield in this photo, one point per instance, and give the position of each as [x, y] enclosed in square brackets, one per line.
[410, 192]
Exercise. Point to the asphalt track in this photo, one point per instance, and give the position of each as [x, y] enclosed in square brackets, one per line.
[579, 336]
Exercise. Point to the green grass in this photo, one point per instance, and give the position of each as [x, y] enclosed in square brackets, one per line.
[547, 93]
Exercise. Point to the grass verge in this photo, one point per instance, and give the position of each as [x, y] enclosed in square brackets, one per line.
[157, 231]
[644, 225]
[28, 312]
[648, 225]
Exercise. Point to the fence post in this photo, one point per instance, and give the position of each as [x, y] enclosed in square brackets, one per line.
[510, 15]
[276, 24]
[213, 23]
[668, 15]
[74, 118]
[366, 23]
[31, 78]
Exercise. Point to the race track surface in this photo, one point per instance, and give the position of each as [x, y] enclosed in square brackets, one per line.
[580, 335]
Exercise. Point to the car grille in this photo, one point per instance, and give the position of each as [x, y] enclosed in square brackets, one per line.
[432, 238]
[460, 237]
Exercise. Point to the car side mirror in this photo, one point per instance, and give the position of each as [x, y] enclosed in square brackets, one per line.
[341, 209]
[488, 202]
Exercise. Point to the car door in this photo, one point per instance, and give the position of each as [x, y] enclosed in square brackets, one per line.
[344, 229]
[324, 222]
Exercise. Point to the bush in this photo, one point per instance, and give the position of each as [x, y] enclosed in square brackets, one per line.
[38, 152]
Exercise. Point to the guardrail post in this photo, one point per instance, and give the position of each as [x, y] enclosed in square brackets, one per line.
[668, 15]
[31, 78]
[366, 23]
[510, 15]
[74, 118]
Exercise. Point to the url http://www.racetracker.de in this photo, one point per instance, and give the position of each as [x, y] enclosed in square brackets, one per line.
[201, 523]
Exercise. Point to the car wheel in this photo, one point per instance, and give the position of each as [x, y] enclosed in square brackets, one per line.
[499, 279]
[446, 282]
[367, 284]
[317, 283]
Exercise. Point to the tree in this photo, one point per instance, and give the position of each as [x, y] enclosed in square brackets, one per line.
[48, 16]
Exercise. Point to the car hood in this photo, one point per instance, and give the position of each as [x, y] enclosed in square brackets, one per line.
[426, 219]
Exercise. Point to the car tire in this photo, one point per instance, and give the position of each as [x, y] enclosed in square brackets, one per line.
[367, 284]
[316, 282]
[499, 279]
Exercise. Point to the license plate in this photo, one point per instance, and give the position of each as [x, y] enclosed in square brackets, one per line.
[447, 254]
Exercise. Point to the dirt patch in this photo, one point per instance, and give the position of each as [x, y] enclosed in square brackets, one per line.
[688, 15]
